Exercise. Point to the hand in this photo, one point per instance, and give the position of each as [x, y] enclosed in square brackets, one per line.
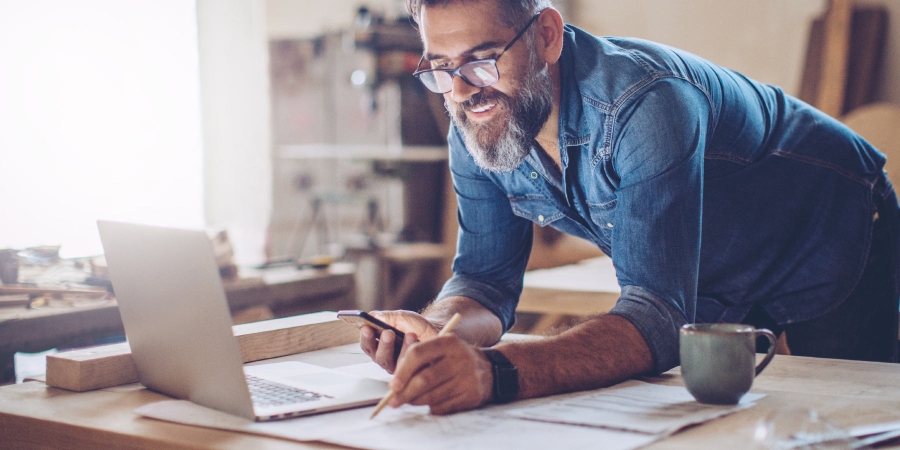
[381, 350]
[445, 373]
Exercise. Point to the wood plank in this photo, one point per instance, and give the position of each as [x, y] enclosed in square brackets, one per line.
[867, 36]
[92, 368]
[289, 335]
[112, 365]
[833, 81]
[812, 65]
[13, 289]
[7, 301]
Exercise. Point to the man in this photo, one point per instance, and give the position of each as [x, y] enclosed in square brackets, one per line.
[717, 197]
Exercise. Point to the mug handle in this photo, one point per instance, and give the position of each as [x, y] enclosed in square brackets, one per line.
[771, 354]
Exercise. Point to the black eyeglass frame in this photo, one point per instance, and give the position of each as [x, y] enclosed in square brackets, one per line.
[456, 72]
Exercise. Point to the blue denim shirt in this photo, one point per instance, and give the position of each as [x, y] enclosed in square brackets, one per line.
[710, 191]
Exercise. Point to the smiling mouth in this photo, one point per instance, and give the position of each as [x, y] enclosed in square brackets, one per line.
[482, 108]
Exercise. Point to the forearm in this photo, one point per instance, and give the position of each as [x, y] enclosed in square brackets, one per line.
[600, 352]
[478, 326]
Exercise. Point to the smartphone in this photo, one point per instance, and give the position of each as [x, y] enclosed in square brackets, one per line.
[360, 318]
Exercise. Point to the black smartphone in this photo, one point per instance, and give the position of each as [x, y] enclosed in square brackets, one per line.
[360, 318]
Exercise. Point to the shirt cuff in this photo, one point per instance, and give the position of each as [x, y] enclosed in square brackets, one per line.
[497, 300]
[657, 320]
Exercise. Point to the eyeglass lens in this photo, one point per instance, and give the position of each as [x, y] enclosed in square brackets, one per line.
[476, 73]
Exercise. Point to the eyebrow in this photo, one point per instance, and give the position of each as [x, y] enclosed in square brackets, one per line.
[478, 48]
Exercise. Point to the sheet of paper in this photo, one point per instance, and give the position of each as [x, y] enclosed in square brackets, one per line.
[481, 429]
[632, 405]
[622, 417]
[308, 428]
[366, 370]
[404, 428]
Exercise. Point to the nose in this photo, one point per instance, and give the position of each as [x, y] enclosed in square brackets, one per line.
[462, 91]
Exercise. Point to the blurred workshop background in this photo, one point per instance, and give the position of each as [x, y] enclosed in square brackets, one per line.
[294, 131]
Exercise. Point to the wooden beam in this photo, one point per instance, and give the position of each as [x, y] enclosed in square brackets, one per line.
[833, 82]
[112, 365]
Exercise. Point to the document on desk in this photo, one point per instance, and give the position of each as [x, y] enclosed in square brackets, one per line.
[633, 406]
[623, 417]
[406, 428]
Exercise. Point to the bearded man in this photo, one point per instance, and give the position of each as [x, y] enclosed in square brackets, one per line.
[718, 198]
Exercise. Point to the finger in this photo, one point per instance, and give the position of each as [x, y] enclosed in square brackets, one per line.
[454, 403]
[408, 340]
[408, 322]
[385, 316]
[384, 354]
[454, 396]
[428, 387]
[367, 341]
[419, 356]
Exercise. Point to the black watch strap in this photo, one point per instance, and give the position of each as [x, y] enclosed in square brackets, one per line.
[506, 376]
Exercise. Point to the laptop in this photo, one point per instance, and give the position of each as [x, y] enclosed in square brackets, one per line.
[178, 324]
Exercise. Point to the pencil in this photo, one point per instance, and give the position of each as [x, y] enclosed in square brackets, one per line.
[390, 395]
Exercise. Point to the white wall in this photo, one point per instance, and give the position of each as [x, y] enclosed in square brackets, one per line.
[99, 118]
[763, 39]
[236, 121]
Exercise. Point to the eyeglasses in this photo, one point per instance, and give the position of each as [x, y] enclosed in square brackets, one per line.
[479, 73]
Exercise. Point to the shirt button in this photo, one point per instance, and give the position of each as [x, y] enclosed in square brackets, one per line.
[534, 175]
[609, 225]
[541, 218]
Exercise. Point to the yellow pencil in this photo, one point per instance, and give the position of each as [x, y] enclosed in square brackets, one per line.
[390, 395]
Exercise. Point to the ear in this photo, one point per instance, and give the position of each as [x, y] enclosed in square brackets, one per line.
[549, 37]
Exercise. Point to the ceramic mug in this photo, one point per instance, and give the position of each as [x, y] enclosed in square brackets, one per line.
[718, 360]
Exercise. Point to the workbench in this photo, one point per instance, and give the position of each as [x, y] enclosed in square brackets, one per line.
[33, 415]
[285, 290]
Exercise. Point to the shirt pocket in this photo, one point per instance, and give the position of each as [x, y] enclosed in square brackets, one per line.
[536, 208]
[602, 214]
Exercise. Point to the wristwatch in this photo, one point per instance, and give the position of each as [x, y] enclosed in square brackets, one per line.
[506, 376]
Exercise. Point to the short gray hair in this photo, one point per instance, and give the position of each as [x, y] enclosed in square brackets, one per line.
[513, 13]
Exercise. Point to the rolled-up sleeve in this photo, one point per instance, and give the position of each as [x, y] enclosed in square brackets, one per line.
[658, 143]
[493, 244]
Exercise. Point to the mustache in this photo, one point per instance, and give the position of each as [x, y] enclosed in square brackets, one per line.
[483, 97]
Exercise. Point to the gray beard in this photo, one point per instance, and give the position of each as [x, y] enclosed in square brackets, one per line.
[502, 145]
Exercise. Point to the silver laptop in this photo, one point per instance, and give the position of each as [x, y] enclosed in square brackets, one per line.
[178, 325]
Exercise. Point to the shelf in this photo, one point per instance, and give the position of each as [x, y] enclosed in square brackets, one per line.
[362, 152]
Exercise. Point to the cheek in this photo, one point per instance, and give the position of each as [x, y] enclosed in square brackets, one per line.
[511, 76]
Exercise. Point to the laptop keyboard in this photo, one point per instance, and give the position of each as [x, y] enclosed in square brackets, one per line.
[265, 393]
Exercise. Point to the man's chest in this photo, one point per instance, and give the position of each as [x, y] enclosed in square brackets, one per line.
[580, 200]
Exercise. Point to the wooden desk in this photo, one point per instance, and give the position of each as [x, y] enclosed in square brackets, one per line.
[285, 290]
[33, 415]
[583, 289]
